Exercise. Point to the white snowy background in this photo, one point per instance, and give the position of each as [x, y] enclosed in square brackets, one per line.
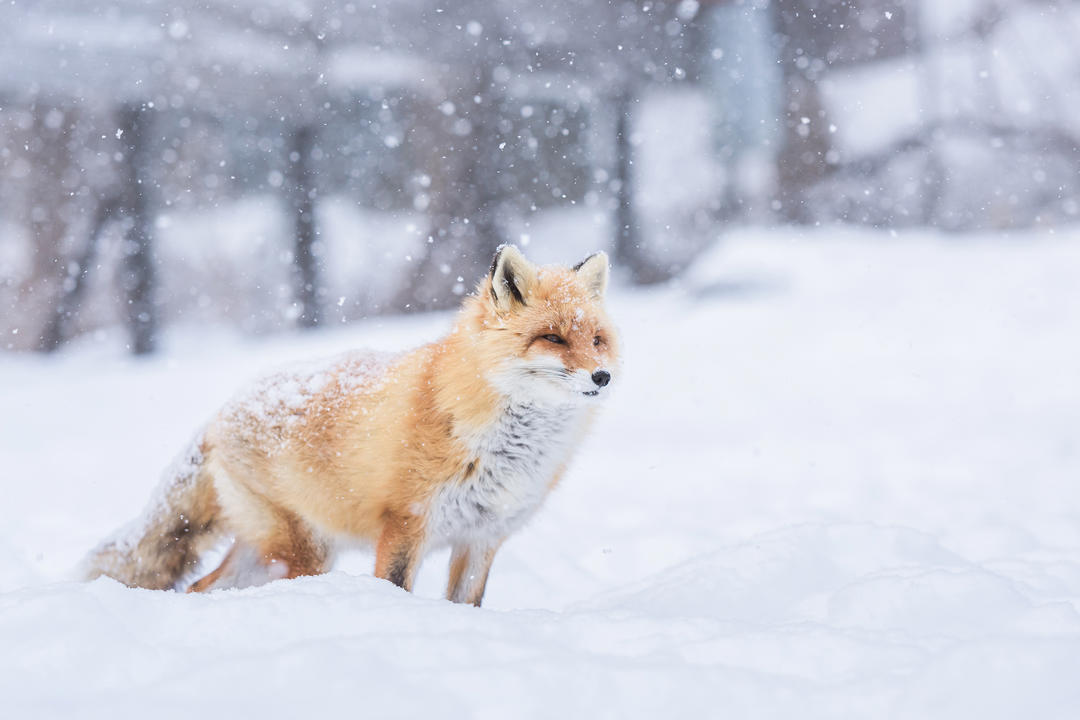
[838, 476]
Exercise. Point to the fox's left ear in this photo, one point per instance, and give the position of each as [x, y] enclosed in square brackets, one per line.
[593, 272]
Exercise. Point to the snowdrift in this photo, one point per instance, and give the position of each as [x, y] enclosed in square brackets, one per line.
[838, 480]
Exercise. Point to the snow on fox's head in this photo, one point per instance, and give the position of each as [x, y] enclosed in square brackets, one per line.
[545, 329]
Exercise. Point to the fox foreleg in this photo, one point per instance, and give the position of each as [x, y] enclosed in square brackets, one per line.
[399, 551]
[469, 568]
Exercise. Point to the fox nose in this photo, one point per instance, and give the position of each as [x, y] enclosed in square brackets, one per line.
[601, 377]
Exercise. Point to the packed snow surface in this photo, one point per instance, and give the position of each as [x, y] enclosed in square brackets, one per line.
[839, 478]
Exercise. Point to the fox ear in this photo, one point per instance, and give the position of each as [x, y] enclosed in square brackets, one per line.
[512, 279]
[593, 272]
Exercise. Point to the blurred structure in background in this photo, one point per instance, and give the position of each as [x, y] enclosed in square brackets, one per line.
[269, 164]
[744, 81]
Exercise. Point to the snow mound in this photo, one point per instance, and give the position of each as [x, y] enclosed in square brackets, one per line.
[785, 625]
[836, 479]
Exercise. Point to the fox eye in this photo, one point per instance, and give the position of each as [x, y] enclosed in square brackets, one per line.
[596, 340]
[554, 339]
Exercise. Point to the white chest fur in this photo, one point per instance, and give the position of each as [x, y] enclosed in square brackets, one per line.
[516, 461]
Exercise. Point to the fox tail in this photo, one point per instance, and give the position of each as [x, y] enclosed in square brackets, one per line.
[163, 546]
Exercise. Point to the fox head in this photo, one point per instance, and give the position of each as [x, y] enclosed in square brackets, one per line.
[542, 332]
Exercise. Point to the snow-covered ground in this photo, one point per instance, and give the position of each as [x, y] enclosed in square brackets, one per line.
[840, 478]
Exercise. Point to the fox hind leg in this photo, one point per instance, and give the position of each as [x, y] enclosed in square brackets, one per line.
[285, 547]
[271, 541]
[225, 572]
[293, 549]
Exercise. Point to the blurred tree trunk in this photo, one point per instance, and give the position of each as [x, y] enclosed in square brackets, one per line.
[301, 198]
[803, 155]
[467, 194]
[629, 251]
[74, 285]
[138, 278]
[138, 273]
[627, 232]
[934, 174]
[48, 205]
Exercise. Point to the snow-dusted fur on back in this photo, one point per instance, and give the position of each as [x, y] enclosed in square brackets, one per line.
[163, 545]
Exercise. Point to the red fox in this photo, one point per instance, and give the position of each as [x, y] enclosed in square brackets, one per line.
[455, 443]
